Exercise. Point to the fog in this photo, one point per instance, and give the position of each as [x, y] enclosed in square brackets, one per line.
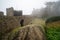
[51, 9]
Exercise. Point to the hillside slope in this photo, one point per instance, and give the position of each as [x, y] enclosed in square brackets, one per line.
[11, 30]
[29, 32]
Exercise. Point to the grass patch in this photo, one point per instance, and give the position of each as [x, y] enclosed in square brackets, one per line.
[38, 21]
[53, 33]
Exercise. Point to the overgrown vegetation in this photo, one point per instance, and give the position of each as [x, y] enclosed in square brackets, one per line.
[9, 26]
[53, 28]
[14, 34]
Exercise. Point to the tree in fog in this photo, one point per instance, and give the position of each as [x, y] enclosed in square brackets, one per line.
[51, 9]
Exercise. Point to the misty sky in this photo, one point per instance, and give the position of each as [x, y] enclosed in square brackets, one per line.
[25, 5]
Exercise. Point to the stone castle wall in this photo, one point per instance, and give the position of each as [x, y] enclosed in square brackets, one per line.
[1, 14]
[12, 12]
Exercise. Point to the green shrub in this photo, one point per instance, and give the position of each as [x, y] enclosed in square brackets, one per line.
[52, 19]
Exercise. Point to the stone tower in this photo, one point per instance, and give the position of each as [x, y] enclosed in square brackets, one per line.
[10, 11]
